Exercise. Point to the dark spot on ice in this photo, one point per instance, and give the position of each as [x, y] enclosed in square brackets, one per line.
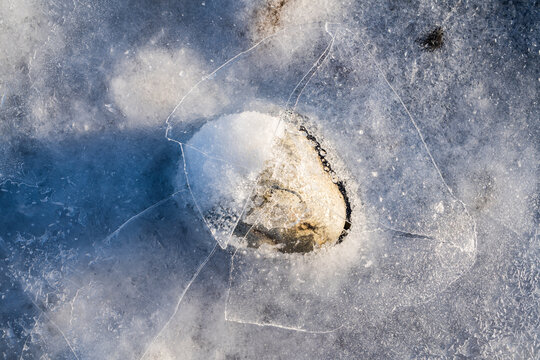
[269, 17]
[23, 68]
[433, 40]
[484, 190]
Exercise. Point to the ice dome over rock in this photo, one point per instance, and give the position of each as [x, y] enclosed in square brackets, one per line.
[224, 159]
[258, 177]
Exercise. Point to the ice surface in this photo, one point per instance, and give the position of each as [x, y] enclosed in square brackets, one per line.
[135, 301]
[106, 248]
[416, 236]
[148, 83]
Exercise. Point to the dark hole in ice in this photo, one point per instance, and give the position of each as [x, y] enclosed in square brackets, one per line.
[433, 40]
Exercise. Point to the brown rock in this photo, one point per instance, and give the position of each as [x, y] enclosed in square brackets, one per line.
[296, 206]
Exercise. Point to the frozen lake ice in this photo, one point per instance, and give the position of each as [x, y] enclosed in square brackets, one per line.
[138, 138]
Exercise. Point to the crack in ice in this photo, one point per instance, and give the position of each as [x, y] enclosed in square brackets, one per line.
[421, 136]
[195, 275]
[114, 233]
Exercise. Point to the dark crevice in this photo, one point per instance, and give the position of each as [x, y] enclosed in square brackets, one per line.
[339, 183]
[433, 40]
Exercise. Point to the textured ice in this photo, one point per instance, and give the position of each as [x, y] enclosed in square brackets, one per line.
[417, 236]
[107, 248]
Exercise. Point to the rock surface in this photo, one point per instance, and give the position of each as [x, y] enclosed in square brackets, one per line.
[296, 204]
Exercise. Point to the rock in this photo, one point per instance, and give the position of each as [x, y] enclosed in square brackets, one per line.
[296, 205]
